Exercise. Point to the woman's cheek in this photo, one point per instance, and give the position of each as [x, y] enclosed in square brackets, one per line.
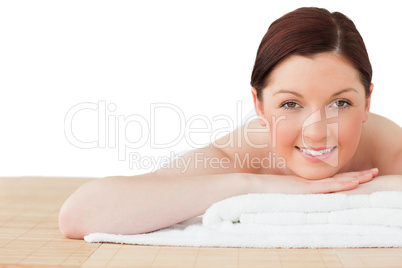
[349, 135]
[285, 132]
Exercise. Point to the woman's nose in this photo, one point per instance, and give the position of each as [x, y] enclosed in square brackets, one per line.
[315, 130]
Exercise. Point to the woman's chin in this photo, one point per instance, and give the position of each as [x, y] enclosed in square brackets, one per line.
[317, 174]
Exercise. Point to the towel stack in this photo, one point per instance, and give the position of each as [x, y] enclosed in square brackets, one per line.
[316, 220]
[285, 221]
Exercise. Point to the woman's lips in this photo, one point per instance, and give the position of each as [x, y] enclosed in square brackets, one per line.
[316, 154]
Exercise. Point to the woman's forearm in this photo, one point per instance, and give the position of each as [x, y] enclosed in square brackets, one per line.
[131, 205]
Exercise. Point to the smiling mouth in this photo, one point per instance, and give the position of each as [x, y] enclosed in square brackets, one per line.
[316, 152]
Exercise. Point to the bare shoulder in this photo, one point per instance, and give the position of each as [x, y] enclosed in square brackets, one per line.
[236, 152]
[385, 139]
[246, 146]
[384, 130]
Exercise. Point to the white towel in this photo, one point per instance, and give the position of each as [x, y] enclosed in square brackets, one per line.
[285, 221]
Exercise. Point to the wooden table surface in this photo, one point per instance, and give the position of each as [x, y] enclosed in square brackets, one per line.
[29, 236]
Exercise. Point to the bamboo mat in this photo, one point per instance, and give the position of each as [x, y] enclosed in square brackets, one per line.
[29, 237]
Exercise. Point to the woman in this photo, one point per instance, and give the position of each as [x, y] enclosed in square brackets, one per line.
[311, 86]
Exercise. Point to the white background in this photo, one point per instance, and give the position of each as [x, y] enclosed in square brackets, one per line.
[197, 56]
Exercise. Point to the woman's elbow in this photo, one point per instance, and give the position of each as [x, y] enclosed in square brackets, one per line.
[72, 214]
[69, 224]
[102, 206]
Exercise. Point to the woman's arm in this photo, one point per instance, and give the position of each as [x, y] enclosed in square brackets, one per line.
[144, 203]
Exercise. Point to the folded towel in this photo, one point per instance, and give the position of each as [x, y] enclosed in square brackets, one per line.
[285, 221]
[385, 217]
[288, 209]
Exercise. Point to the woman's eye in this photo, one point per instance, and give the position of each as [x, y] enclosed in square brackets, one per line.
[290, 105]
[341, 104]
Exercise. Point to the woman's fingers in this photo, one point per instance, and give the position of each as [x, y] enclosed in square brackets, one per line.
[322, 187]
[338, 183]
[373, 172]
[361, 178]
[348, 181]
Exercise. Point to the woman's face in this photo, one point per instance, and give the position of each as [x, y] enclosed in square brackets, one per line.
[315, 108]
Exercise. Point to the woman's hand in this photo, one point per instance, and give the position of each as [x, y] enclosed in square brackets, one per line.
[380, 183]
[290, 184]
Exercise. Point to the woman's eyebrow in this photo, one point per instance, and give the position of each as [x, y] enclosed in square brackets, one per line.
[300, 96]
[344, 90]
[288, 91]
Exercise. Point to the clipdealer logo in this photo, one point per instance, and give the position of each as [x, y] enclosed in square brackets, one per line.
[112, 131]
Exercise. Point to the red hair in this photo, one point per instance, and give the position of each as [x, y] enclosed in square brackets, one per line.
[307, 32]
